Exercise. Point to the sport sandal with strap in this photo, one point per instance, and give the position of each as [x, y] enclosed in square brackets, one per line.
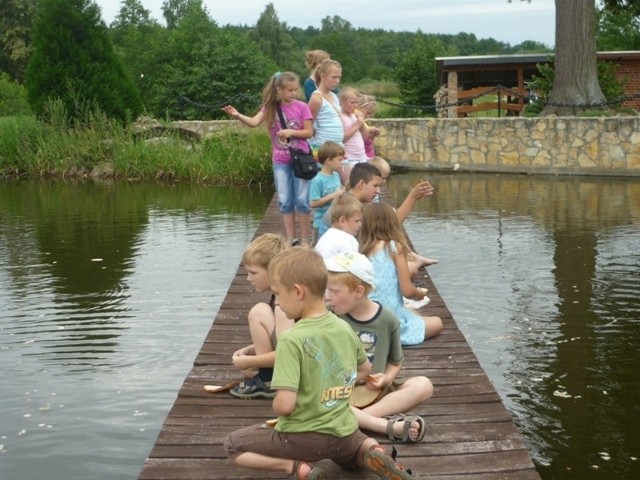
[384, 466]
[316, 473]
[408, 420]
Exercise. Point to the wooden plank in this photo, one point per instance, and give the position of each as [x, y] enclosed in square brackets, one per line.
[470, 434]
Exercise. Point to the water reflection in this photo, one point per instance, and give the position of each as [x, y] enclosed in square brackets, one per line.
[106, 293]
[543, 276]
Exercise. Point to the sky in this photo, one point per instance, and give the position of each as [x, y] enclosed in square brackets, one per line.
[511, 23]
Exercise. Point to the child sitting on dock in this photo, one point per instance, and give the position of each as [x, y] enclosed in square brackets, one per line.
[351, 278]
[266, 321]
[317, 364]
[364, 184]
[421, 190]
[346, 220]
[382, 239]
[326, 185]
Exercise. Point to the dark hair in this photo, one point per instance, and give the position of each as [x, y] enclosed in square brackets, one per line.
[363, 171]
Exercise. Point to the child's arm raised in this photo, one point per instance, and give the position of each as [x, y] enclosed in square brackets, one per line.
[248, 121]
[421, 190]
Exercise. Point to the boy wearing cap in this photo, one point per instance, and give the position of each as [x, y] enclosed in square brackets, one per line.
[349, 283]
[318, 361]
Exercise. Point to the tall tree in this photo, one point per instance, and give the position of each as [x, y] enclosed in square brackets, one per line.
[73, 60]
[575, 82]
[272, 37]
[132, 13]
[16, 18]
[174, 10]
[416, 73]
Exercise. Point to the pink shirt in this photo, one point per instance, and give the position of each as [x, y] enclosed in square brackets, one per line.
[295, 113]
[354, 147]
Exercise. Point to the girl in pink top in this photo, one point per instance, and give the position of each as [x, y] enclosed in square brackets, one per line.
[293, 192]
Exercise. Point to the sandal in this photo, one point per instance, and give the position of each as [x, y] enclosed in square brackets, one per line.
[385, 466]
[408, 421]
[316, 473]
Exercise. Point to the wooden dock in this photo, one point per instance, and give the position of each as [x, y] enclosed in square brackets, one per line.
[470, 434]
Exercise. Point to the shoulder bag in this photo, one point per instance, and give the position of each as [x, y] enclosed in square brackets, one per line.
[304, 165]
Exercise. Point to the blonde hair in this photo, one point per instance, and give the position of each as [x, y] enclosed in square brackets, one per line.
[380, 222]
[382, 165]
[262, 249]
[329, 150]
[270, 100]
[346, 93]
[367, 102]
[313, 58]
[346, 205]
[301, 266]
[350, 281]
[324, 67]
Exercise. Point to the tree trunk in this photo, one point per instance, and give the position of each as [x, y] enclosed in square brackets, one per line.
[576, 71]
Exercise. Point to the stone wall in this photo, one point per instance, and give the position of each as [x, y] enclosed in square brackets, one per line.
[550, 145]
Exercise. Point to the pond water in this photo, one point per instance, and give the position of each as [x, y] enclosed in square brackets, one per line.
[107, 292]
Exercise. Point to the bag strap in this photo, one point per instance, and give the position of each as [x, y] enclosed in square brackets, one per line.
[281, 117]
[284, 125]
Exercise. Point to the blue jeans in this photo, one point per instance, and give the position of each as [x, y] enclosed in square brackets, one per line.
[293, 192]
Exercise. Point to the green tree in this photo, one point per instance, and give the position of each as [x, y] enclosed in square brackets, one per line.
[140, 42]
[16, 18]
[274, 40]
[73, 60]
[203, 66]
[416, 72]
[618, 30]
[132, 14]
[174, 10]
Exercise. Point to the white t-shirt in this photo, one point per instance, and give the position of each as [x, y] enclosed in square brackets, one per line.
[336, 241]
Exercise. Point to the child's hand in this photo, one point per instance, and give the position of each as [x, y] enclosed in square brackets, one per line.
[374, 132]
[231, 111]
[285, 134]
[421, 190]
[375, 381]
[241, 362]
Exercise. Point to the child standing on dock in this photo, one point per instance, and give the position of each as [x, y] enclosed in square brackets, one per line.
[326, 185]
[351, 278]
[383, 241]
[355, 130]
[325, 105]
[281, 92]
[266, 321]
[317, 364]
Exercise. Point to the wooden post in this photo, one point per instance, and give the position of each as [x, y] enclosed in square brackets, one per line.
[452, 87]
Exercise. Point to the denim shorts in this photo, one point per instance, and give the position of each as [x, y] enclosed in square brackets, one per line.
[293, 192]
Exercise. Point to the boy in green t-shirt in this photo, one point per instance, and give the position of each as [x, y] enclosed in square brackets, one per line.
[351, 278]
[318, 362]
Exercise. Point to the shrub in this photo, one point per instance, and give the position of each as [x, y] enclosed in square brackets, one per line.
[13, 97]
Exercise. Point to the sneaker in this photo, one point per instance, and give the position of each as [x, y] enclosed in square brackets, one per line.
[384, 466]
[253, 388]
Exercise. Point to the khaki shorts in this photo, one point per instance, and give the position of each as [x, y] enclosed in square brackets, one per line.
[307, 446]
